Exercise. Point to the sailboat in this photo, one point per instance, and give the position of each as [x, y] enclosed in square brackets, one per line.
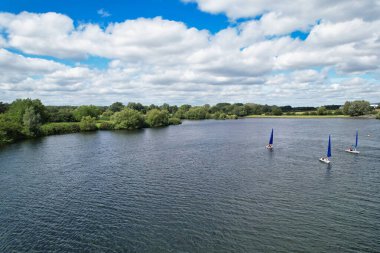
[328, 155]
[352, 149]
[270, 145]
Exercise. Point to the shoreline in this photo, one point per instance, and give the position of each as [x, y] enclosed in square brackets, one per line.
[311, 116]
[61, 128]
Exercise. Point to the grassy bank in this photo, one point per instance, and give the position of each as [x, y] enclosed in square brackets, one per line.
[299, 116]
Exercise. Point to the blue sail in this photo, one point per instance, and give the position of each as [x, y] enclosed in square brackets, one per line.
[329, 148]
[271, 138]
[356, 143]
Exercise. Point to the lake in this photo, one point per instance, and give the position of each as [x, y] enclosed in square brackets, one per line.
[203, 186]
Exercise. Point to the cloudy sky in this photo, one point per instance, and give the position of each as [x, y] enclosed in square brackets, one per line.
[280, 52]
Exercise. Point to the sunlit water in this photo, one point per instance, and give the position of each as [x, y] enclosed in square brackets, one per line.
[204, 186]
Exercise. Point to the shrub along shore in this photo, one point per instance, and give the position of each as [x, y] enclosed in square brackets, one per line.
[27, 118]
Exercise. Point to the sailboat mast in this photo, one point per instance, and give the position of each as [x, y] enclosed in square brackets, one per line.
[329, 148]
[271, 138]
[356, 142]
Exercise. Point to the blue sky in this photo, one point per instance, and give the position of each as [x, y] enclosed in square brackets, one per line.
[189, 51]
[120, 10]
[86, 11]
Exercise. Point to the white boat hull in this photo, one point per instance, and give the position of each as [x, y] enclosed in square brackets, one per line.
[269, 147]
[352, 151]
[324, 160]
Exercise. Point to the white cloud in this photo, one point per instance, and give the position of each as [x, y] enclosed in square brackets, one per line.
[353, 31]
[157, 60]
[103, 13]
[54, 34]
[274, 23]
[14, 62]
[309, 11]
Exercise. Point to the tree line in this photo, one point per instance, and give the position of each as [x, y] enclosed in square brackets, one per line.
[27, 118]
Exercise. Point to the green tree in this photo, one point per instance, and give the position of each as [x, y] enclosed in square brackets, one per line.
[276, 111]
[152, 106]
[128, 119]
[346, 107]
[196, 113]
[106, 115]
[254, 109]
[31, 122]
[136, 106]
[3, 107]
[359, 107]
[87, 123]
[18, 107]
[221, 107]
[239, 110]
[116, 107]
[10, 131]
[60, 114]
[157, 118]
[181, 112]
[165, 107]
[322, 110]
[86, 110]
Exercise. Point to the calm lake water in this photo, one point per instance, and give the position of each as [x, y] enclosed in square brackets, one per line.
[204, 186]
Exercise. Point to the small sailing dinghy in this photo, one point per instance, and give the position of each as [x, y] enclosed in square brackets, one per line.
[328, 155]
[352, 149]
[270, 145]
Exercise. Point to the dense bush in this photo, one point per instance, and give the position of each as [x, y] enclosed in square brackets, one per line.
[174, 121]
[220, 116]
[378, 116]
[60, 128]
[232, 116]
[157, 118]
[196, 113]
[106, 115]
[87, 123]
[86, 110]
[128, 119]
[106, 125]
[57, 114]
[276, 111]
[322, 110]
[223, 116]
[10, 131]
[357, 108]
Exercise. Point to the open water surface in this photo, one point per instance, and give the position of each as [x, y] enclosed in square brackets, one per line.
[203, 186]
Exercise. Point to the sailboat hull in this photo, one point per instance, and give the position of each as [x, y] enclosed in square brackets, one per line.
[269, 147]
[324, 160]
[352, 151]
